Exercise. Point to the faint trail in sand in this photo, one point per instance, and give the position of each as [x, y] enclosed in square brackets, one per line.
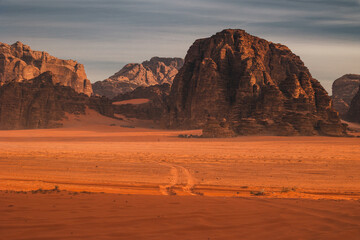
[174, 177]
[179, 176]
[188, 188]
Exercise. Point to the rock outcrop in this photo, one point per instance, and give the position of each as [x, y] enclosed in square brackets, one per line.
[215, 129]
[133, 75]
[42, 102]
[18, 62]
[258, 86]
[353, 114]
[152, 110]
[343, 91]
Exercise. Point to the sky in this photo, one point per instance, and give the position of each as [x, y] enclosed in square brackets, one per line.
[104, 35]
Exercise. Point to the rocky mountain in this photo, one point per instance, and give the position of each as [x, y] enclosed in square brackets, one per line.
[151, 110]
[133, 75]
[353, 114]
[259, 87]
[344, 89]
[18, 62]
[42, 102]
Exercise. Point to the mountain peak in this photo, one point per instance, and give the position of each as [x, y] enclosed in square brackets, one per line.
[257, 86]
[157, 70]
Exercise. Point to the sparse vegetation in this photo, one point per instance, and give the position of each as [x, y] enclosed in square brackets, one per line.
[44, 191]
[189, 136]
[86, 192]
[258, 193]
[286, 190]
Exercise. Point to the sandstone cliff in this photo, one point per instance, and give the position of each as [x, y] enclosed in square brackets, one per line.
[18, 62]
[259, 87]
[42, 102]
[353, 114]
[152, 110]
[156, 71]
[344, 89]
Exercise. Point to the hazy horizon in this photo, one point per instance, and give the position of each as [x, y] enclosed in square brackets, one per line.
[106, 35]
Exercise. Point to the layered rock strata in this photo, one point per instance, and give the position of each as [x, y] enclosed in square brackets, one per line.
[18, 63]
[42, 103]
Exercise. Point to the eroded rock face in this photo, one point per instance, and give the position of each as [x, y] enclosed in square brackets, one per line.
[353, 114]
[152, 110]
[18, 63]
[215, 129]
[258, 86]
[344, 89]
[133, 75]
[42, 102]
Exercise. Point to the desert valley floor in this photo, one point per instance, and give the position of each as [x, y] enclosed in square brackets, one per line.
[146, 183]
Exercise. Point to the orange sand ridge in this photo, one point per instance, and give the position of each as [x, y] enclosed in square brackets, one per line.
[67, 215]
[93, 156]
[132, 101]
[238, 188]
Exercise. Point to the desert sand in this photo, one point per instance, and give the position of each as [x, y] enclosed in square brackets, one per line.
[67, 215]
[237, 188]
[132, 101]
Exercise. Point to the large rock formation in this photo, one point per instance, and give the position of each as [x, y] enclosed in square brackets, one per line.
[18, 62]
[353, 114]
[151, 110]
[343, 91]
[258, 86]
[156, 71]
[42, 102]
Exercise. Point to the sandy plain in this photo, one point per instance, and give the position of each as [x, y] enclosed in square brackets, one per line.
[236, 188]
[132, 101]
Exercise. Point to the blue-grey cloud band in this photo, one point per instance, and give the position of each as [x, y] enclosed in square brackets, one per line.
[105, 34]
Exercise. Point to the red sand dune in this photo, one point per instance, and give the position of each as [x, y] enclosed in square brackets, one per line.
[111, 216]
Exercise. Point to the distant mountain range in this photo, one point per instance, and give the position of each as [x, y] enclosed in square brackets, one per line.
[156, 71]
[231, 82]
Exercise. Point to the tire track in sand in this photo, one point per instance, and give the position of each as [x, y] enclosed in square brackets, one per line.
[174, 178]
[180, 178]
[190, 181]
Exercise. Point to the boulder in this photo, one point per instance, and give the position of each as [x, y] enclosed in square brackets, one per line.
[215, 129]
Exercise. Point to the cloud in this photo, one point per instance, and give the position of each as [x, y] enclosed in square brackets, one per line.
[128, 15]
[121, 31]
